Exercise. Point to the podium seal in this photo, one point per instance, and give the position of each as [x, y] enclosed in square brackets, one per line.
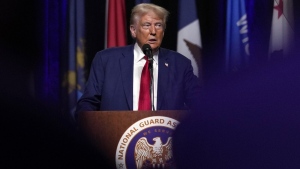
[147, 144]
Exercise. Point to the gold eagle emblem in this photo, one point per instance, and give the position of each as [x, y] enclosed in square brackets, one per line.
[158, 155]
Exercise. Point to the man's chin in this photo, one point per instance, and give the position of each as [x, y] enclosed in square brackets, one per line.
[154, 47]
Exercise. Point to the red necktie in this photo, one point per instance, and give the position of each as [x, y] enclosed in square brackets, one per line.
[145, 98]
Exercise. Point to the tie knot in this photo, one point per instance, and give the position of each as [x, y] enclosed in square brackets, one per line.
[147, 60]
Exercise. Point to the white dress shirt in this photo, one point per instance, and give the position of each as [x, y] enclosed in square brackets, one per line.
[138, 65]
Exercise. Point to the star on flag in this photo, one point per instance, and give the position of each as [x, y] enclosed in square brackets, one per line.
[279, 8]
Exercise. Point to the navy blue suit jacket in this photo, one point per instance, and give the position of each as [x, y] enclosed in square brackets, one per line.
[110, 83]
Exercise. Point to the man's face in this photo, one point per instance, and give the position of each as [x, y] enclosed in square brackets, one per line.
[149, 29]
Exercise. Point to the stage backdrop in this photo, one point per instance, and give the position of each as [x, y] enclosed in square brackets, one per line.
[68, 33]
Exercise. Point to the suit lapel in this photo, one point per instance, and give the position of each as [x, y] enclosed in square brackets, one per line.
[126, 65]
[163, 77]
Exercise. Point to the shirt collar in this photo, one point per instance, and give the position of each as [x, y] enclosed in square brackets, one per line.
[139, 54]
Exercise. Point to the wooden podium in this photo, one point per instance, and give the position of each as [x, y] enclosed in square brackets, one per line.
[105, 128]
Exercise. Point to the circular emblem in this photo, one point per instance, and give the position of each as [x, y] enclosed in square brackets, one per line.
[147, 144]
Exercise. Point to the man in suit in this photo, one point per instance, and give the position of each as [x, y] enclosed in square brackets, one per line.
[114, 80]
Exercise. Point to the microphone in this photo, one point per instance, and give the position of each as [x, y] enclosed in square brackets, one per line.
[148, 52]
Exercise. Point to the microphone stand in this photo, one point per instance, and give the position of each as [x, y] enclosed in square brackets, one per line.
[151, 82]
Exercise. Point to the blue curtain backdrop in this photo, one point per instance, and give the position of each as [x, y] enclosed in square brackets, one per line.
[62, 74]
[53, 28]
[142, 1]
[259, 14]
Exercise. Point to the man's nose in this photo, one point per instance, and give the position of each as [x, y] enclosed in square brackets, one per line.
[152, 30]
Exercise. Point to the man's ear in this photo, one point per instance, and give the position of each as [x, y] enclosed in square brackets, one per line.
[133, 31]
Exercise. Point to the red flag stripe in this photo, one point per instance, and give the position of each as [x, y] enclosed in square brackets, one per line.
[116, 23]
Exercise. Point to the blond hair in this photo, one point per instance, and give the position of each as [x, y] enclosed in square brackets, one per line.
[143, 8]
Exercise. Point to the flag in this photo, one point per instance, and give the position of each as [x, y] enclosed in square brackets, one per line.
[237, 41]
[74, 79]
[115, 23]
[282, 31]
[189, 38]
[142, 1]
